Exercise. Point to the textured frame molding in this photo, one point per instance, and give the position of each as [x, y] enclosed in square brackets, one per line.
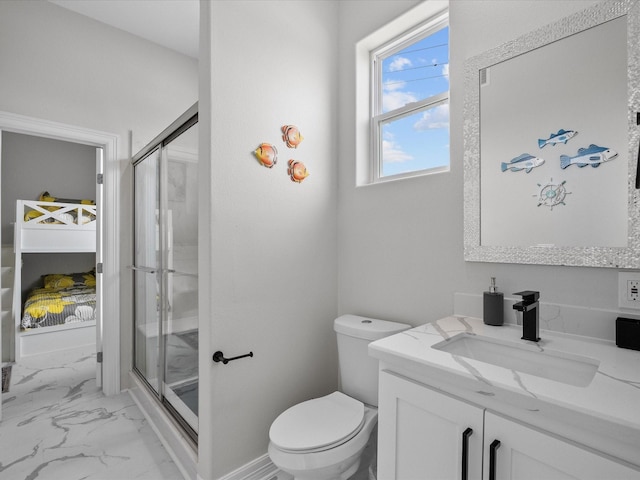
[628, 257]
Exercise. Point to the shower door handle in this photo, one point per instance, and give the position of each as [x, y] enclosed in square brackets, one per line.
[149, 269]
[142, 269]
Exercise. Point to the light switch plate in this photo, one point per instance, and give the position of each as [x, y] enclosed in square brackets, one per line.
[629, 290]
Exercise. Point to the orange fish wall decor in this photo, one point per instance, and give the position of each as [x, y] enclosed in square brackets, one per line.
[297, 171]
[267, 154]
[291, 136]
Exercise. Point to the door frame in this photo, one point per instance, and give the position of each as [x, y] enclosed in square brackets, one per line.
[15, 123]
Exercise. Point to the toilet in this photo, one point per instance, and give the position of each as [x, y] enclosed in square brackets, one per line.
[324, 438]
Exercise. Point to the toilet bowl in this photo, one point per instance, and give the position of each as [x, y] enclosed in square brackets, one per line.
[322, 438]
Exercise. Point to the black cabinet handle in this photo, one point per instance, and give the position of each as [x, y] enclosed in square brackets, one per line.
[638, 164]
[492, 459]
[465, 452]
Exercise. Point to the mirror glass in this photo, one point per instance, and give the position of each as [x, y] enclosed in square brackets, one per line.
[551, 144]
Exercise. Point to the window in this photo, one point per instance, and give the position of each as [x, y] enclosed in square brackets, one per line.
[410, 103]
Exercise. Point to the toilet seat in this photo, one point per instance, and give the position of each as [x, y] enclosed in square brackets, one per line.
[319, 424]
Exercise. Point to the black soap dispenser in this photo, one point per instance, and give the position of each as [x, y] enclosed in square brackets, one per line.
[493, 305]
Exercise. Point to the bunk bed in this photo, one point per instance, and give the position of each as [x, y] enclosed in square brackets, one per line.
[60, 314]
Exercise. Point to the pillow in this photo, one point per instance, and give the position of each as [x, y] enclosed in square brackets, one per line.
[47, 197]
[69, 280]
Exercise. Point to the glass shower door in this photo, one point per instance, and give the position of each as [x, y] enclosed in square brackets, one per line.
[180, 156]
[147, 269]
[166, 272]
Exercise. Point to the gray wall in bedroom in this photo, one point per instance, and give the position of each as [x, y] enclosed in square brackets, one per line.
[32, 165]
[34, 265]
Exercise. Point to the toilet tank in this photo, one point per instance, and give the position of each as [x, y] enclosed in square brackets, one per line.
[359, 371]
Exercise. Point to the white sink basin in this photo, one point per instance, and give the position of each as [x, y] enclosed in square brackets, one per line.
[522, 357]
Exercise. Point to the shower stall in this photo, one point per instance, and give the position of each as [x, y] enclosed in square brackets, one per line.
[165, 270]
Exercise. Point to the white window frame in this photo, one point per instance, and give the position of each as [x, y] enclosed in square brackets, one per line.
[425, 19]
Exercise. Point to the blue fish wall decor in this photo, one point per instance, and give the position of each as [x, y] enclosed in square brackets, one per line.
[563, 136]
[524, 162]
[592, 155]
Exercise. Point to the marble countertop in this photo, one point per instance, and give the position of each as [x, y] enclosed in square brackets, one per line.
[608, 406]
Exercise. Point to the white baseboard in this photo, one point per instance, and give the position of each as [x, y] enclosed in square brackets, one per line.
[259, 469]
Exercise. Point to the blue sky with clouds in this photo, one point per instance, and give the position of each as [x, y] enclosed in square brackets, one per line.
[417, 72]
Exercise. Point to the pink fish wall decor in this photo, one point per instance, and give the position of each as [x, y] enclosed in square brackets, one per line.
[267, 154]
[291, 136]
[297, 171]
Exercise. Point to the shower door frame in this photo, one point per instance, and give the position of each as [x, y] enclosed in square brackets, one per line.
[181, 125]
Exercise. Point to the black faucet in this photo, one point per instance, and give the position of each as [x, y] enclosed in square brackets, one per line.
[529, 308]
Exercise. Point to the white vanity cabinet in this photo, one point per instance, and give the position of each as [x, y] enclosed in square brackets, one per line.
[421, 433]
[424, 434]
[528, 454]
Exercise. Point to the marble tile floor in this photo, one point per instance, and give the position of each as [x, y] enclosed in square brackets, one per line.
[56, 424]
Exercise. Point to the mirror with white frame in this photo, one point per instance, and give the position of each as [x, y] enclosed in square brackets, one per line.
[550, 141]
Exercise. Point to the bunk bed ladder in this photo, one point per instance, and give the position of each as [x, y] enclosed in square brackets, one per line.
[6, 287]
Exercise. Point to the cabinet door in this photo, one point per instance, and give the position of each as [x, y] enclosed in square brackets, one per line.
[528, 454]
[421, 433]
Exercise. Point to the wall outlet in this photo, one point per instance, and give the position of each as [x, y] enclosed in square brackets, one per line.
[629, 290]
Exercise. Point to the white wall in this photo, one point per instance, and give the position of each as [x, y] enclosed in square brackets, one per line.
[395, 248]
[401, 243]
[60, 66]
[270, 243]
[480, 26]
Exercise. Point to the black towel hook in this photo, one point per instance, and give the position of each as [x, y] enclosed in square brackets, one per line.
[219, 357]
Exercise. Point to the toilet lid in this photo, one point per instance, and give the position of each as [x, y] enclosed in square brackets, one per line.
[317, 423]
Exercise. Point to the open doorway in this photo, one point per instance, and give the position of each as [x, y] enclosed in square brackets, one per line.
[48, 217]
[103, 146]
